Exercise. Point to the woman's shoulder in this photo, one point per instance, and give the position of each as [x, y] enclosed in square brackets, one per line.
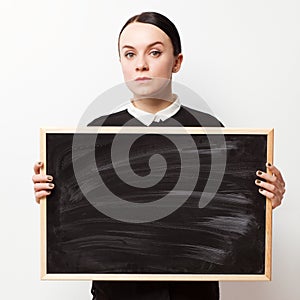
[114, 119]
[193, 117]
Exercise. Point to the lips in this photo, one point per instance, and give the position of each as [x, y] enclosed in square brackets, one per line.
[142, 79]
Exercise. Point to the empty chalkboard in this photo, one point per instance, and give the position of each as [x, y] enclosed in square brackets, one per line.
[137, 203]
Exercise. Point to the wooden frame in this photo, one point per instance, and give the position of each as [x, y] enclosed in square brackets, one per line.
[266, 207]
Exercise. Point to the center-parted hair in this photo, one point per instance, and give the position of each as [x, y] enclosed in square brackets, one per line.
[160, 21]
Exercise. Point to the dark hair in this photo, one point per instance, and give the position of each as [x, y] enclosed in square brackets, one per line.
[162, 23]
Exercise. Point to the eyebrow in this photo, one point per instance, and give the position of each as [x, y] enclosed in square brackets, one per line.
[150, 45]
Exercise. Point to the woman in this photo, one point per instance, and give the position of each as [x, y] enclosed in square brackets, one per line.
[149, 53]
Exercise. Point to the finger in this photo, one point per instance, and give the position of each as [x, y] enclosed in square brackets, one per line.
[273, 180]
[277, 191]
[43, 186]
[265, 185]
[41, 194]
[41, 178]
[275, 200]
[276, 172]
[266, 193]
[266, 176]
[37, 167]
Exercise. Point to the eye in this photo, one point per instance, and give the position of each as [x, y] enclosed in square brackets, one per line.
[129, 54]
[155, 53]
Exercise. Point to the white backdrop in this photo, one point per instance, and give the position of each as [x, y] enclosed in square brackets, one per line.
[242, 57]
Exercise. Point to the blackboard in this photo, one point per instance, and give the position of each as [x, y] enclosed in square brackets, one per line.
[165, 203]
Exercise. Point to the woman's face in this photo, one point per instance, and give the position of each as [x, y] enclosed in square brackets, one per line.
[147, 60]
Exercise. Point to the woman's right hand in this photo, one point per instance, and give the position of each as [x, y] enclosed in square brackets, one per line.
[42, 183]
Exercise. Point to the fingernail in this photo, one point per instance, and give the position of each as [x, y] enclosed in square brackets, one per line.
[49, 192]
[49, 178]
[261, 190]
[39, 163]
[269, 165]
[257, 181]
[259, 172]
[51, 185]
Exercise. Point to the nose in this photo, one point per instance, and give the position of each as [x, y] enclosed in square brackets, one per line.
[142, 65]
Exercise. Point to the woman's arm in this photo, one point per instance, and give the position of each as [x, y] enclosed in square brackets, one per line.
[42, 184]
[273, 186]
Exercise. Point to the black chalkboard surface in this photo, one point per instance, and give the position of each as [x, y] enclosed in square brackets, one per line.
[163, 203]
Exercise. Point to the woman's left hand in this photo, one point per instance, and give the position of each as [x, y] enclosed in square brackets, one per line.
[272, 186]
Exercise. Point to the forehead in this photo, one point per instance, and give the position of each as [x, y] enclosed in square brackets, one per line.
[143, 34]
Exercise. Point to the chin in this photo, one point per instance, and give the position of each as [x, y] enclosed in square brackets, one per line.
[156, 88]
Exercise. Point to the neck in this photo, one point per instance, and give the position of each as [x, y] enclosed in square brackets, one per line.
[152, 105]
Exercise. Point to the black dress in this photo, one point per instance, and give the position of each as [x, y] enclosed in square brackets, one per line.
[157, 290]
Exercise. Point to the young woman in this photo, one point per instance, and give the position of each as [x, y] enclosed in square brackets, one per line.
[149, 53]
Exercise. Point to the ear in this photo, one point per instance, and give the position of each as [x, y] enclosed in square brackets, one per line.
[177, 63]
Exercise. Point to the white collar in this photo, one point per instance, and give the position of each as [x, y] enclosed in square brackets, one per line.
[162, 115]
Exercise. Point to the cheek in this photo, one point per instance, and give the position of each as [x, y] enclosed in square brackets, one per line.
[164, 69]
[127, 73]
